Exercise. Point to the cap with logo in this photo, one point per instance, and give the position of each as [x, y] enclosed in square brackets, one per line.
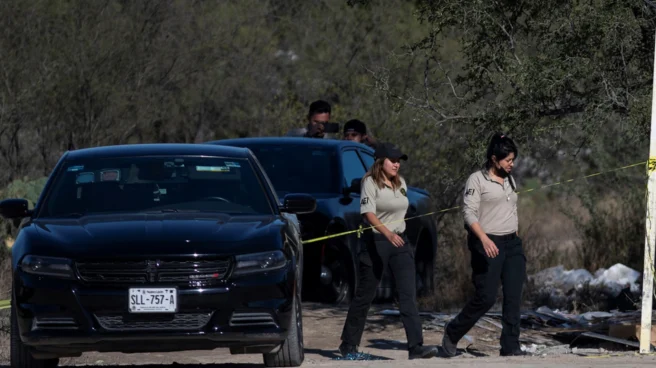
[388, 150]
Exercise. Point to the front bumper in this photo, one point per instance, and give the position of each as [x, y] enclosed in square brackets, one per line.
[66, 317]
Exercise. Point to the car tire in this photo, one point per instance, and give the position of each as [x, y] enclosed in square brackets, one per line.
[20, 355]
[339, 262]
[291, 353]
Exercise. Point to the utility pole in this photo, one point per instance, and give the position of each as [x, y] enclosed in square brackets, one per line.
[650, 229]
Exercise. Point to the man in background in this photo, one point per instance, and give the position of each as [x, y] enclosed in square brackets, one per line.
[355, 130]
[318, 117]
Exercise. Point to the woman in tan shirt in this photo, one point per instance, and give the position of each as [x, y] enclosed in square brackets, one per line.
[383, 203]
[490, 213]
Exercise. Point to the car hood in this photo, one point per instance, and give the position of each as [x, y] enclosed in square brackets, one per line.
[158, 234]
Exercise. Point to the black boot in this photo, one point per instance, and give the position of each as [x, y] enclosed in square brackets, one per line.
[422, 352]
[517, 352]
[346, 349]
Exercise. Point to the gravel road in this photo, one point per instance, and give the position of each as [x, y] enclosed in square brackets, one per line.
[384, 338]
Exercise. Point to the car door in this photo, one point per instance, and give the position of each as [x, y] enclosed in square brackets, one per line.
[352, 168]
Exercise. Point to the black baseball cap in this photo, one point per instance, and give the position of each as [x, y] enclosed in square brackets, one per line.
[388, 150]
[355, 125]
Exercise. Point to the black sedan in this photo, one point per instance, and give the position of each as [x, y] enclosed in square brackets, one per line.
[157, 247]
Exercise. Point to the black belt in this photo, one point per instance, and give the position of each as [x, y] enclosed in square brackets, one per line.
[502, 237]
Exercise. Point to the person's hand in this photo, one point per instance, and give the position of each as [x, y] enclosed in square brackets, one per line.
[316, 130]
[490, 248]
[393, 238]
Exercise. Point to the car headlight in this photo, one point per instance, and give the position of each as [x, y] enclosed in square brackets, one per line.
[259, 262]
[48, 266]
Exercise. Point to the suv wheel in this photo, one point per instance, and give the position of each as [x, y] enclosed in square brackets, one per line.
[20, 354]
[291, 353]
[338, 262]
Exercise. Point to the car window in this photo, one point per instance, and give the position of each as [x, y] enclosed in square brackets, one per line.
[299, 168]
[268, 180]
[352, 166]
[156, 183]
[368, 159]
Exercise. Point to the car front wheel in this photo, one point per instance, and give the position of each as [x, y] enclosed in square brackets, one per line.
[20, 354]
[291, 353]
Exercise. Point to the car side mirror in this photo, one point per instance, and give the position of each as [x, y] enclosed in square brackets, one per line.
[355, 187]
[298, 203]
[14, 208]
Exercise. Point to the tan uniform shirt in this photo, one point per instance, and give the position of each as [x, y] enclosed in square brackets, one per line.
[492, 205]
[388, 205]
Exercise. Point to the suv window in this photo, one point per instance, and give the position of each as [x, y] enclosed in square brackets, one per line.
[368, 159]
[352, 166]
[299, 168]
[156, 183]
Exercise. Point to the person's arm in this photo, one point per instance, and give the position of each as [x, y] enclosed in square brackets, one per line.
[368, 210]
[470, 209]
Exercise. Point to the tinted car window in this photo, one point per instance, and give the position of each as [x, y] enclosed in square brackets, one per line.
[367, 158]
[299, 168]
[140, 184]
[352, 166]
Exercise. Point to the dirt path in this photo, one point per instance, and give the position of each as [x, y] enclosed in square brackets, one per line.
[384, 338]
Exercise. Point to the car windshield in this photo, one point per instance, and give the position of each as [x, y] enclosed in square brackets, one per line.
[156, 184]
[299, 168]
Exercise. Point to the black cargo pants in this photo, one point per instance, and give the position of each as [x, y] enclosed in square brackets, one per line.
[379, 254]
[509, 268]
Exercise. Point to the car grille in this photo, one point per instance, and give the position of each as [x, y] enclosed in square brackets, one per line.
[244, 319]
[176, 322]
[178, 272]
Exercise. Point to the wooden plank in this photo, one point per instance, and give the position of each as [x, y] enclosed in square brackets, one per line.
[612, 339]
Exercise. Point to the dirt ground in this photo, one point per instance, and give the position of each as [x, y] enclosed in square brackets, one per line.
[384, 339]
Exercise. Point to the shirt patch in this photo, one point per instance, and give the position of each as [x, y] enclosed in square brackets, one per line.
[469, 192]
[364, 200]
[403, 192]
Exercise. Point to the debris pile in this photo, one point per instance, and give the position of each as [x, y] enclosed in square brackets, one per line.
[614, 288]
[611, 320]
[552, 332]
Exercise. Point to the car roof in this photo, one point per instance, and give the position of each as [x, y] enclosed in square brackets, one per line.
[156, 149]
[334, 143]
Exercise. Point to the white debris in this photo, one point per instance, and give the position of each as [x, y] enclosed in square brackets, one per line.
[617, 278]
[612, 281]
[543, 350]
[562, 279]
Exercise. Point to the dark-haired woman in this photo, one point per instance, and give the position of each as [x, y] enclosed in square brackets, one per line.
[384, 203]
[490, 213]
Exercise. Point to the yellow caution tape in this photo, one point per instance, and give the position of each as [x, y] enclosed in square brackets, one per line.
[651, 167]
[360, 230]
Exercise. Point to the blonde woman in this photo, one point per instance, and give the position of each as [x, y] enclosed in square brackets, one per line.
[383, 205]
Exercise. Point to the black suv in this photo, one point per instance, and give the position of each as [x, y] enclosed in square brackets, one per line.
[157, 247]
[331, 171]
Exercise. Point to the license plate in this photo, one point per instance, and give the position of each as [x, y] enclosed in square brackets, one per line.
[153, 300]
